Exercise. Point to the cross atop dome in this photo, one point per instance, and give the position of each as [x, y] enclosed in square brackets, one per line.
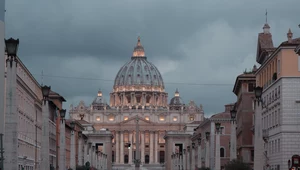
[138, 49]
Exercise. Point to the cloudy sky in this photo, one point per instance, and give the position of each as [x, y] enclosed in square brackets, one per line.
[200, 46]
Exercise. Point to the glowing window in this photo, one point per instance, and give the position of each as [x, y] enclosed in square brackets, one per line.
[161, 118]
[175, 118]
[111, 118]
[191, 118]
[125, 118]
[98, 118]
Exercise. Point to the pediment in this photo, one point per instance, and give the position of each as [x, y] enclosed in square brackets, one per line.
[132, 121]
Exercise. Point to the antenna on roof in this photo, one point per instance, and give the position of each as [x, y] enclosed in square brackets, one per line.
[42, 77]
[266, 16]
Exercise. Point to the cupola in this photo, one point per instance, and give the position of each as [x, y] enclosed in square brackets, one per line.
[138, 49]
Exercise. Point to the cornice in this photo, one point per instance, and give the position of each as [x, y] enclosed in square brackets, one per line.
[26, 88]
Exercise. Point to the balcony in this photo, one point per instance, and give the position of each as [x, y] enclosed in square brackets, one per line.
[265, 135]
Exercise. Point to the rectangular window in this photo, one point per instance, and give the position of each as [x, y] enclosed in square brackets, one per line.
[250, 87]
[222, 130]
[278, 66]
[298, 62]
[279, 115]
[276, 118]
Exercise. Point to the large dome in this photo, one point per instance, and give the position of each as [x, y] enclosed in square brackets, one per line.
[139, 71]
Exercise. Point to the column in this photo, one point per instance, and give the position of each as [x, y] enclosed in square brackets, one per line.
[80, 150]
[62, 145]
[143, 147]
[95, 157]
[212, 145]
[85, 153]
[100, 159]
[90, 152]
[45, 162]
[122, 148]
[92, 155]
[218, 161]
[207, 154]
[172, 161]
[233, 141]
[199, 161]
[11, 118]
[156, 147]
[193, 157]
[72, 152]
[188, 158]
[151, 147]
[117, 142]
[143, 99]
[184, 159]
[131, 148]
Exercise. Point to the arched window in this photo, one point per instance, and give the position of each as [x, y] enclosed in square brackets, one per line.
[222, 152]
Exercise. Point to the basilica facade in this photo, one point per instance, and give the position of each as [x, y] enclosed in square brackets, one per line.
[139, 93]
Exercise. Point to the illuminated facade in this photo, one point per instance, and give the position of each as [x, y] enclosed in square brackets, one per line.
[138, 91]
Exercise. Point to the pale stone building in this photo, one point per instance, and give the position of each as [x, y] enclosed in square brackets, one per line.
[25, 102]
[277, 132]
[139, 92]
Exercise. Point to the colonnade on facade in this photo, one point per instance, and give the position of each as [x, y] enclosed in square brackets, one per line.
[94, 156]
[125, 148]
[192, 157]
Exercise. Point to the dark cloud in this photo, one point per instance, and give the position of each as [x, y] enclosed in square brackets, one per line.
[203, 42]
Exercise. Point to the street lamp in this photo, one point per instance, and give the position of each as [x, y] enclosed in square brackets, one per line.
[258, 93]
[12, 47]
[62, 114]
[72, 125]
[46, 91]
[233, 113]
[218, 126]
[199, 140]
[207, 134]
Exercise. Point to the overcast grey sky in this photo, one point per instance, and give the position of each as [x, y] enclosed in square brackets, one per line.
[190, 41]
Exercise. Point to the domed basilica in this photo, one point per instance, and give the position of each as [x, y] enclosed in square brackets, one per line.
[138, 93]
